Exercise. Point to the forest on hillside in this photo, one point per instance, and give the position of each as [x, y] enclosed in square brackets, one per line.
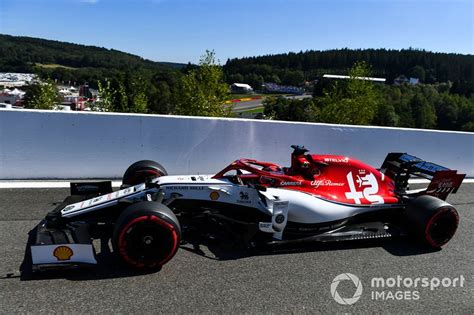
[295, 68]
[70, 62]
[129, 83]
[17, 51]
[78, 63]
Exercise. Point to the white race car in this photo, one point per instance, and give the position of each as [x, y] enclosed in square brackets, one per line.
[251, 204]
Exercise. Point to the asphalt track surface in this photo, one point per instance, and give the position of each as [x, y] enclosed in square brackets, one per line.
[287, 282]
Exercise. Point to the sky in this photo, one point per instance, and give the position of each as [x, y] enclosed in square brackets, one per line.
[181, 30]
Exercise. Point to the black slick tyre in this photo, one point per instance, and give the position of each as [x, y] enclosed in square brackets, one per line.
[142, 172]
[146, 235]
[431, 220]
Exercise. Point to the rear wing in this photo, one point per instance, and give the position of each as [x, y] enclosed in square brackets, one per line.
[402, 166]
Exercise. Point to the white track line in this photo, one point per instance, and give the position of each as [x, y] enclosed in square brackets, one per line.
[117, 183]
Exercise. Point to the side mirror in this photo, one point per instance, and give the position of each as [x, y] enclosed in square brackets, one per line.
[298, 150]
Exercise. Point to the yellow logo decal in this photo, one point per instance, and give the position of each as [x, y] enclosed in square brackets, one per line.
[214, 195]
[63, 253]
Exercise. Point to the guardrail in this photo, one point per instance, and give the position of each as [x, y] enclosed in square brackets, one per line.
[64, 145]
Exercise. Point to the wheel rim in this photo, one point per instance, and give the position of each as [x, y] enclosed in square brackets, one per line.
[441, 227]
[148, 241]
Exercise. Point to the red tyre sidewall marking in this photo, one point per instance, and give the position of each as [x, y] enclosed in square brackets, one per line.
[432, 220]
[122, 243]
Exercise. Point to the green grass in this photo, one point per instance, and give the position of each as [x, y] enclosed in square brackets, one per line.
[54, 65]
[236, 96]
[254, 110]
[276, 94]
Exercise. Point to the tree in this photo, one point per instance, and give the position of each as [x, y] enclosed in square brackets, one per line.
[254, 80]
[293, 77]
[424, 113]
[105, 100]
[202, 91]
[447, 111]
[125, 93]
[418, 72]
[42, 95]
[404, 111]
[161, 100]
[164, 85]
[466, 113]
[235, 78]
[282, 108]
[322, 87]
[136, 91]
[356, 103]
[386, 115]
[272, 79]
[120, 95]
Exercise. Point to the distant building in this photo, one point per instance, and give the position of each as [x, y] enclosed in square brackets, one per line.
[84, 91]
[62, 107]
[345, 77]
[9, 106]
[12, 79]
[240, 88]
[276, 88]
[401, 79]
[12, 97]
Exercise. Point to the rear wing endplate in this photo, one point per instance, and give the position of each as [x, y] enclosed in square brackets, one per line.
[402, 166]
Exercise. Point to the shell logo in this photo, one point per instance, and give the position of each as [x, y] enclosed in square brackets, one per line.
[63, 253]
[214, 195]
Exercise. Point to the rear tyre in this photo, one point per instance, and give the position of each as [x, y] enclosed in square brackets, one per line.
[146, 235]
[432, 220]
[142, 172]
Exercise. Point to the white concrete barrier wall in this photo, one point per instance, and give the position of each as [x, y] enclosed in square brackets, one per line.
[67, 145]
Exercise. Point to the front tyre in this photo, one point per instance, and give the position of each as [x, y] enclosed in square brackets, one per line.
[146, 235]
[142, 172]
[432, 220]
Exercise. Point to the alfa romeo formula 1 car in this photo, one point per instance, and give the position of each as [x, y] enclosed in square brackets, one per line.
[317, 198]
